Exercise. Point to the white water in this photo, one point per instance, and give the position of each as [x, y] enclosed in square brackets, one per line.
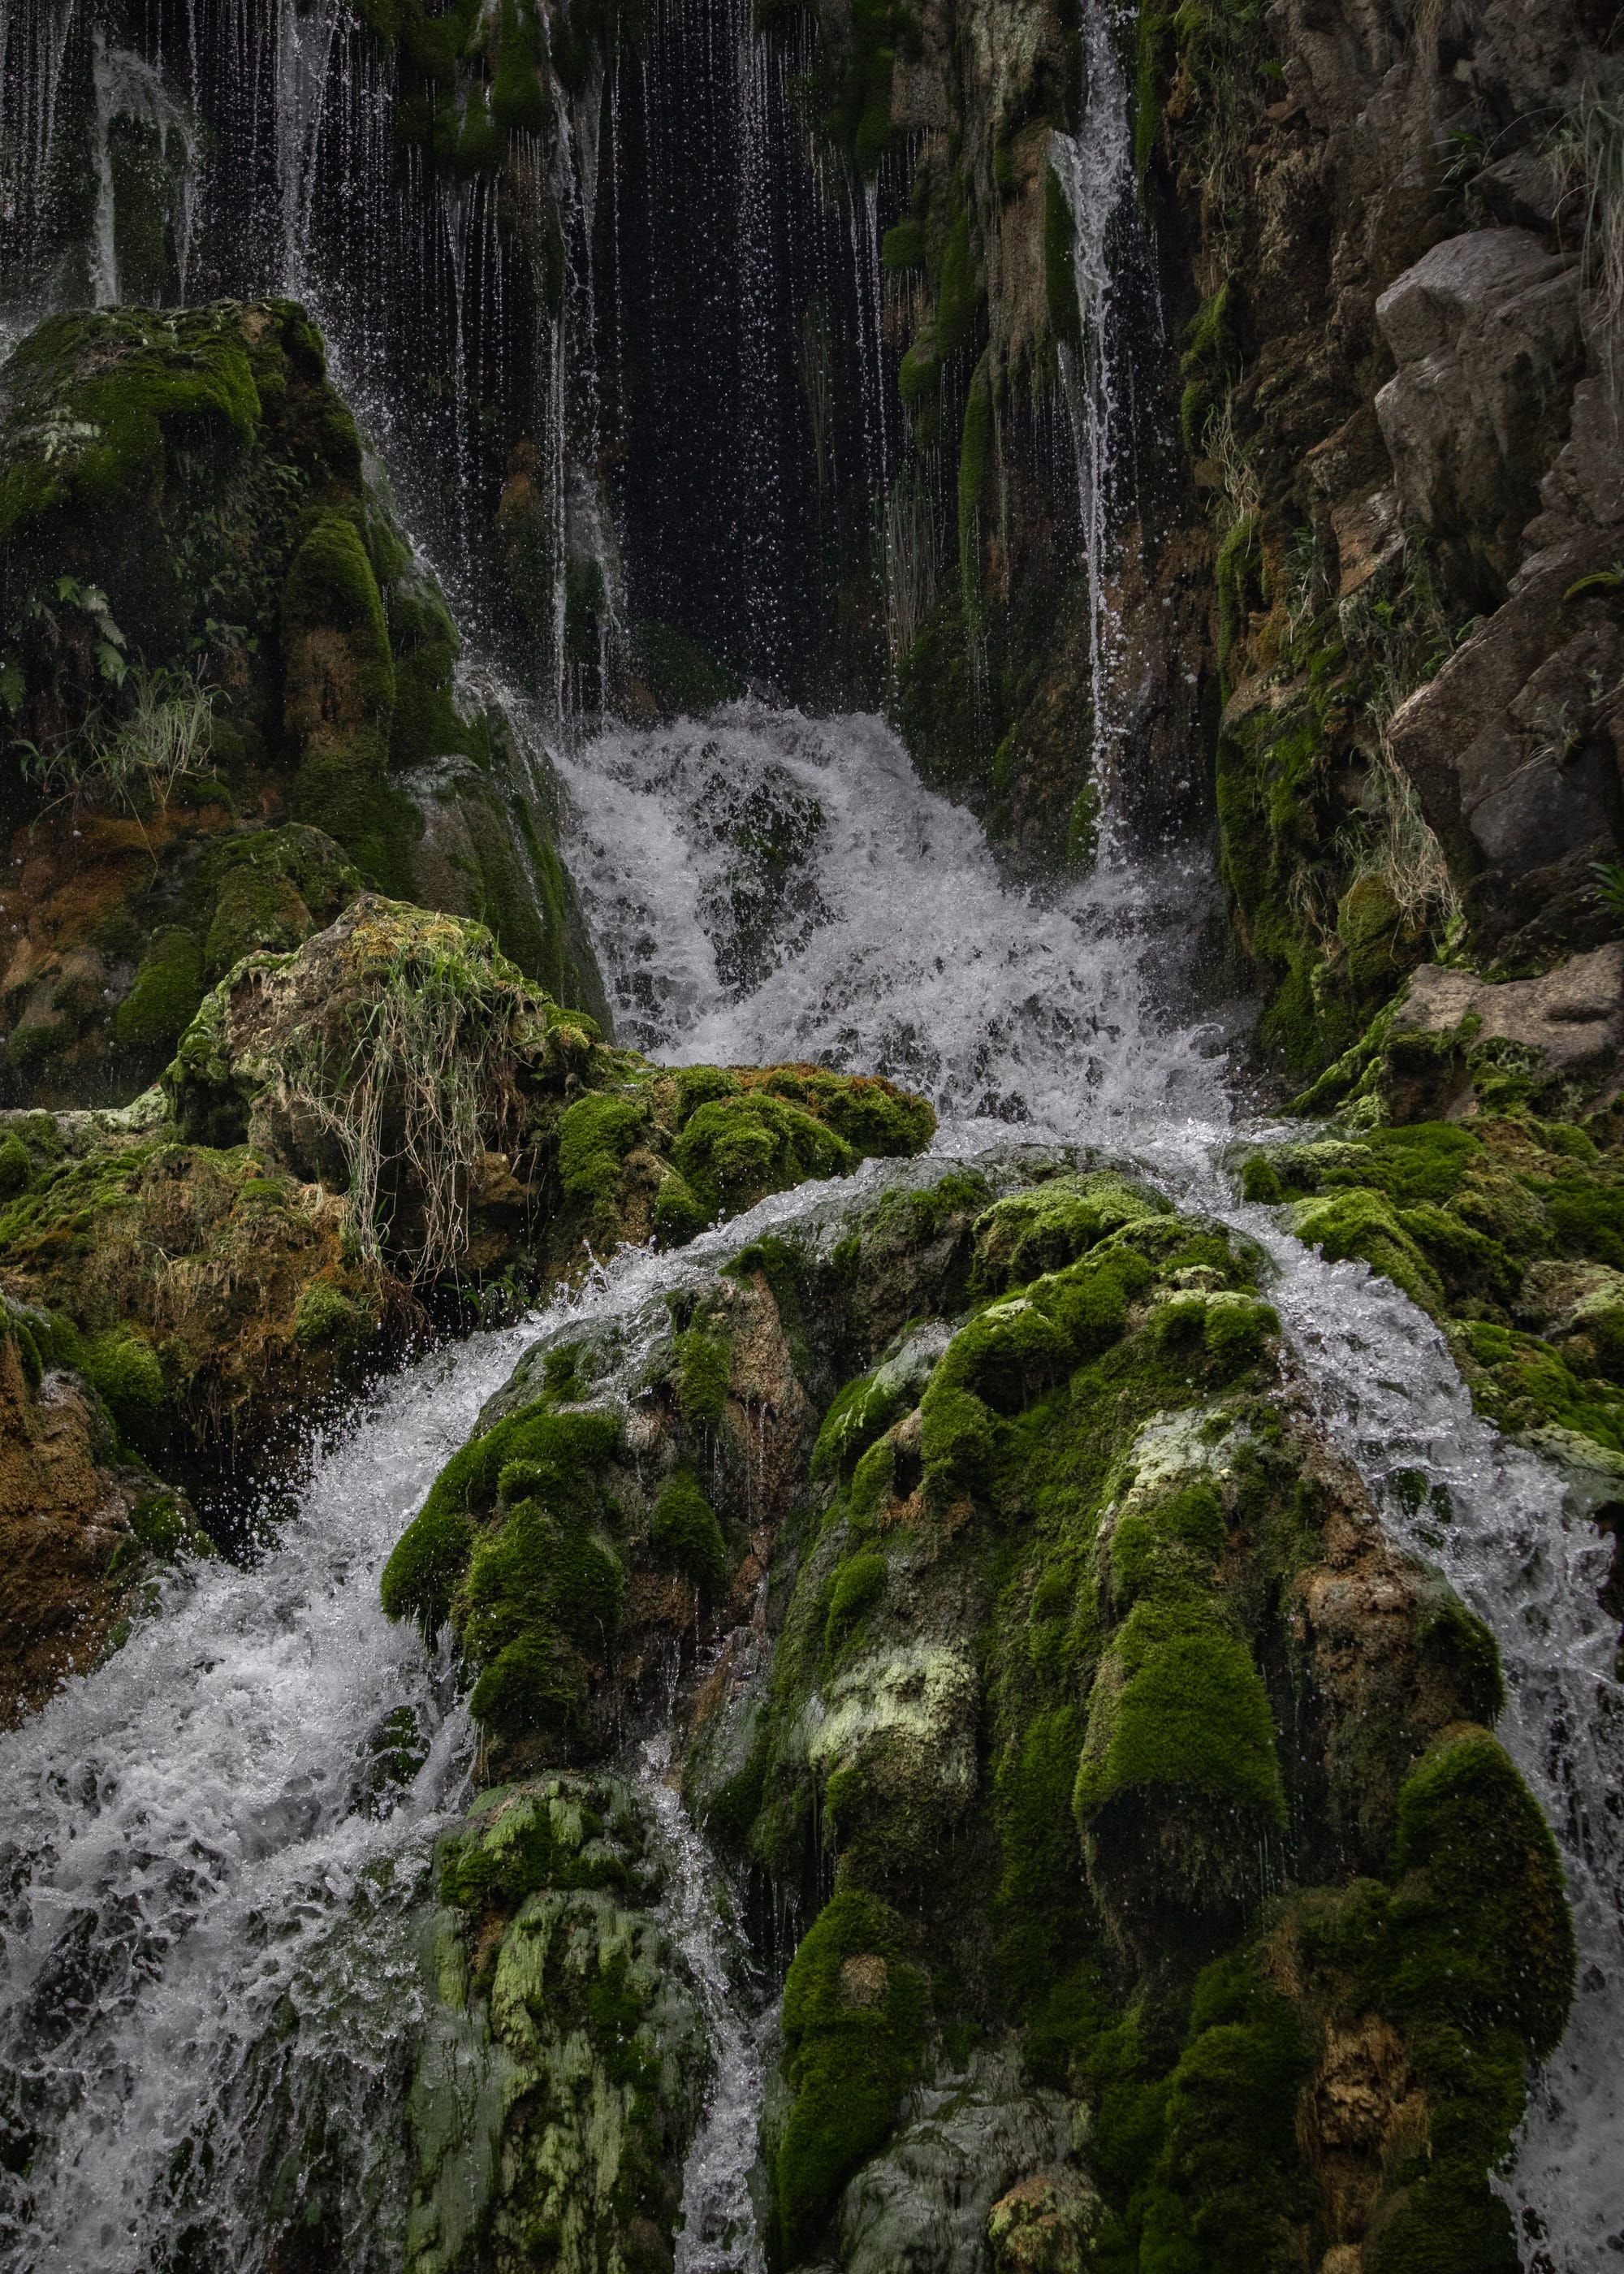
[887, 943]
[763, 885]
[183, 1851]
[1531, 1568]
[719, 2234]
[204, 1935]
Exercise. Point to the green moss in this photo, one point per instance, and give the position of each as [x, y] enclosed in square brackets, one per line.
[1237, 573]
[1232, 2190]
[903, 247]
[1052, 1225]
[132, 370]
[734, 1151]
[956, 1441]
[957, 298]
[859, 1584]
[853, 2023]
[517, 99]
[1363, 1223]
[1480, 1909]
[704, 1375]
[423, 1572]
[425, 1565]
[1040, 1910]
[164, 998]
[1153, 63]
[1162, 1549]
[16, 1167]
[159, 1523]
[327, 1319]
[595, 1136]
[686, 1534]
[876, 1121]
[331, 588]
[1178, 1781]
[125, 1372]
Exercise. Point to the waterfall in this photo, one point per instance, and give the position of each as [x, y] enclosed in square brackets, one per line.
[203, 1940]
[873, 932]
[1493, 1518]
[206, 1895]
[188, 1832]
[1095, 168]
[765, 885]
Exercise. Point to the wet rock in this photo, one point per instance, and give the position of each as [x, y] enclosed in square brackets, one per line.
[1486, 331]
[83, 1523]
[564, 2056]
[1065, 1613]
[1570, 1020]
[219, 660]
[976, 2160]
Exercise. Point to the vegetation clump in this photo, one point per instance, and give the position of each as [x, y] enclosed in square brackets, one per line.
[1505, 1228]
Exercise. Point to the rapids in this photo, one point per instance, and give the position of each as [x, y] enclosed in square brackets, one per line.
[204, 1937]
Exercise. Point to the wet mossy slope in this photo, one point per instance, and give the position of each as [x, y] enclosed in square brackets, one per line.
[1158, 1894]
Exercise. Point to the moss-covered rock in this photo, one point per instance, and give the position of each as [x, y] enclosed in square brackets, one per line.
[562, 2067]
[1507, 1228]
[211, 620]
[1032, 1632]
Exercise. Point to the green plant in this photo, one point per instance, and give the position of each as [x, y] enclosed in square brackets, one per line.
[1586, 151]
[1609, 887]
[413, 1084]
[136, 762]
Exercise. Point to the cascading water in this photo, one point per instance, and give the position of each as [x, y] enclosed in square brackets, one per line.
[206, 1887]
[766, 885]
[190, 1831]
[1110, 276]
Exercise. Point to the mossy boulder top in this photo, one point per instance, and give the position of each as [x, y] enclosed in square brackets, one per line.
[402, 1044]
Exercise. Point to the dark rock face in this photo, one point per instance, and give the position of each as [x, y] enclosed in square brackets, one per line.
[228, 694]
[1400, 399]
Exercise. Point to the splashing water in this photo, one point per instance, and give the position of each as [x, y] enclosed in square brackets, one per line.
[763, 885]
[206, 1932]
[190, 1853]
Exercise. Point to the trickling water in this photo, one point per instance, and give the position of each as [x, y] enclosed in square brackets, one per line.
[1495, 1519]
[1095, 169]
[718, 2234]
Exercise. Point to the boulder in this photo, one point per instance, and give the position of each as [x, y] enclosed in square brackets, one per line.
[1516, 749]
[1485, 330]
[227, 701]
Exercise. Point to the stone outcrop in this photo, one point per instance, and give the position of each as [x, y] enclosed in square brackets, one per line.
[226, 695]
[367, 1131]
[1012, 1644]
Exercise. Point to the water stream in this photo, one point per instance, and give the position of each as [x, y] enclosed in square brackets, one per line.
[205, 1889]
[189, 1833]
